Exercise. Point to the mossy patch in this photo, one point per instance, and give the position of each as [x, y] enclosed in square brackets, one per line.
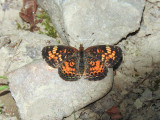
[47, 24]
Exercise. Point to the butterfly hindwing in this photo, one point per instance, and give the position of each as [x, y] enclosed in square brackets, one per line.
[108, 54]
[69, 69]
[95, 69]
[56, 55]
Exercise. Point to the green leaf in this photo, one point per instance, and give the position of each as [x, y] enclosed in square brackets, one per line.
[3, 87]
[2, 77]
[1, 107]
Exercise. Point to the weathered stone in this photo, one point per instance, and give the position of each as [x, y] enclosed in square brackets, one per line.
[146, 95]
[94, 22]
[138, 104]
[154, 1]
[2, 117]
[41, 94]
[28, 50]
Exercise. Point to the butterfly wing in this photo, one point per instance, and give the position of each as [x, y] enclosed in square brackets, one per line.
[69, 70]
[110, 55]
[95, 69]
[56, 55]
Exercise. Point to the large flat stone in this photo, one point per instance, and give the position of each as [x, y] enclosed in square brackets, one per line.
[94, 22]
[41, 94]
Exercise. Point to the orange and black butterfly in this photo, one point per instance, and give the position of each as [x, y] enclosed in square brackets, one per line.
[93, 62]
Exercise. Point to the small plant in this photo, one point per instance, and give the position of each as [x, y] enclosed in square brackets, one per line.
[1, 108]
[74, 115]
[48, 27]
[58, 41]
[21, 27]
[2, 87]
[18, 26]
[2, 77]
[5, 86]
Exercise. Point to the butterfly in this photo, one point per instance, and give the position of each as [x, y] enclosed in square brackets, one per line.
[92, 63]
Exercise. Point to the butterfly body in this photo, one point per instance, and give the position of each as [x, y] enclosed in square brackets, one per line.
[72, 64]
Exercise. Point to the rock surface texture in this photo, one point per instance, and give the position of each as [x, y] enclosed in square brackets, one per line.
[41, 94]
[94, 22]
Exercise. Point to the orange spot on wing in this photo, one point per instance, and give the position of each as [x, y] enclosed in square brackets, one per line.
[99, 68]
[66, 69]
[107, 58]
[52, 56]
[103, 55]
[92, 63]
[98, 51]
[71, 64]
[64, 51]
[110, 55]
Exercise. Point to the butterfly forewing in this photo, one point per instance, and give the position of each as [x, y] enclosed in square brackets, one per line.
[56, 55]
[108, 54]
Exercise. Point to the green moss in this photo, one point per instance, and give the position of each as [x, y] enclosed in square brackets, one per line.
[43, 15]
[46, 23]
[136, 75]
[135, 69]
[58, 41]
[126, 42]
[48, 26]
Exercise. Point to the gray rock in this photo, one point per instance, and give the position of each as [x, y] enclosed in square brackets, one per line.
[84, 114]
[123, 106]
[139, 55]
[157, 93]
[28, 50]
[146, 95]
[2, 117]
[151, 16]
[4, 40]
[137, 90]
[94, 111]
[102, 105]
[155, 106]
[105, 116]
[41, 94]
[94, 22]
[138, 104]
[14, 56]
[139, 118]
[89, 115]
[152, 1]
